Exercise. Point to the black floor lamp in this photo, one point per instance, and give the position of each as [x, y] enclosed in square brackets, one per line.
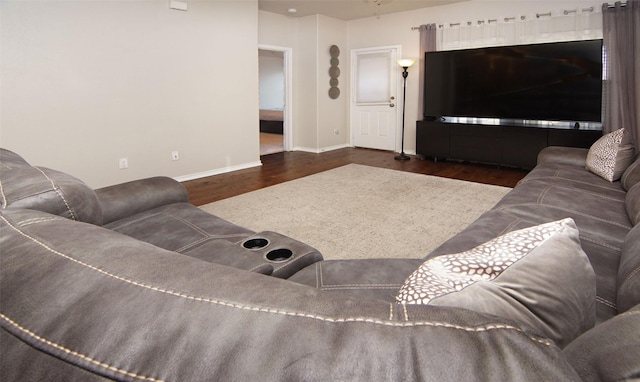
[405, 64]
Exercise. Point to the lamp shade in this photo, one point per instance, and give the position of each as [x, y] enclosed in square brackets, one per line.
[405, 62]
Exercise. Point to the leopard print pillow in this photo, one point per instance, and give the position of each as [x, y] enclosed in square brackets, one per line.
[539, 277]
[608, 157]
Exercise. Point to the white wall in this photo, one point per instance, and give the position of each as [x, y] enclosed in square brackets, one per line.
[271, 80]
[85, 83]
[395, 29]
[333, 114]
[315, 115]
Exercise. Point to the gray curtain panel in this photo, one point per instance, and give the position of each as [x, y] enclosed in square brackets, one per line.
[621, 34]
[427, 44]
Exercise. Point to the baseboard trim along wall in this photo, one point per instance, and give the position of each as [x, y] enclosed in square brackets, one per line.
[218, 171]
[321, 150]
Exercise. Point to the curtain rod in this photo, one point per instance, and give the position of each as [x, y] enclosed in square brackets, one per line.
[622, 4]
[538, 15]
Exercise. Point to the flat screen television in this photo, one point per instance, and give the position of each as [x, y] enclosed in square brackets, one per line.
[559, 81]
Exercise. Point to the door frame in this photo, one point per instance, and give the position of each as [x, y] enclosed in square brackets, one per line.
[353, 87]
[287, 118]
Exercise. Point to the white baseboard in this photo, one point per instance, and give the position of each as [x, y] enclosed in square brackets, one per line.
[218, 171]
[322, 149]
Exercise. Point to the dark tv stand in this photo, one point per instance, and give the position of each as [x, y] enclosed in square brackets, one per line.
[505, 144]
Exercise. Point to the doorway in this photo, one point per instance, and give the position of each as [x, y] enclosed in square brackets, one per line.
[374, 116]
[274, 65]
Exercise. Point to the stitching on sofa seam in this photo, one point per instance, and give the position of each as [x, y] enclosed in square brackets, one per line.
[188, 223]
[120, 226]
[599, 242]
[565, 187]
[543, 194]
[43, 219]
[206, 239]
[318, 274]
[632, 274]
[404, 312]
[556, 175]
[361, 287]
[606, 302]
[568, 210]
[75, 353]
[4, 197]
[59, 192]
[373, 321]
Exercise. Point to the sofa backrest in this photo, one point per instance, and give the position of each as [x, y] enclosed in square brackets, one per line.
[629, 269]
[43, 189]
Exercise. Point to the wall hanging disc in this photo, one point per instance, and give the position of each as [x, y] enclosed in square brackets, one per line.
[334, 72]
[333, 82]
[334, 61]
[334, 92]
[334, 51]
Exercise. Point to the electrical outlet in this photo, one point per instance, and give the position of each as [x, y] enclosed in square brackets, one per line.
[175, 155]
[124, 163]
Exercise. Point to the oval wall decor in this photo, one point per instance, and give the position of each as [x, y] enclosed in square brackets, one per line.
[334, 72]
[334, 51]
[334, 92]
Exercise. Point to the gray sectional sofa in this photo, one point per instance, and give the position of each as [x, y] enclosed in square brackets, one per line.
[131, 282]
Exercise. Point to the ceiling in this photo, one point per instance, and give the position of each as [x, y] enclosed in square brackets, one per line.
[347, 9]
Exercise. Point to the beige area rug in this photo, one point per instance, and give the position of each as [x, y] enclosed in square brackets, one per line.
[358, 211]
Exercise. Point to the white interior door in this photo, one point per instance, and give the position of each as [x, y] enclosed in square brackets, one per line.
[374, 117]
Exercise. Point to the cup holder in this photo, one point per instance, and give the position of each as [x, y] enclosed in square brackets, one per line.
[279, 255]
[255, 243]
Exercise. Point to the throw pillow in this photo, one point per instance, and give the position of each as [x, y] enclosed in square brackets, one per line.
[608, 157]
[537, 276]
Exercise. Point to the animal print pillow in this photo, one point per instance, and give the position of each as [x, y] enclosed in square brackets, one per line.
[537, 276]
[609, 157]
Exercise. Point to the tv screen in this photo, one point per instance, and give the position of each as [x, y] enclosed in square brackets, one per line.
[544, 82]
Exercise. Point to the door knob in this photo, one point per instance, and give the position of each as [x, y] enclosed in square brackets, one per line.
[391, 105]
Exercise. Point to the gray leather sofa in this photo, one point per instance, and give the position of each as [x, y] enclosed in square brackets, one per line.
[131, 282]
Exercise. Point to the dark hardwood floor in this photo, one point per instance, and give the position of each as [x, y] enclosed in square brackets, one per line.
[285, 166]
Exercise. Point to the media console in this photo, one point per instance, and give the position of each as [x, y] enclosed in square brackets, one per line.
[504, 144]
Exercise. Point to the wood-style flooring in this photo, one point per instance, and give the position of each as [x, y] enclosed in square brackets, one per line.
[271, 143]
[284, 166]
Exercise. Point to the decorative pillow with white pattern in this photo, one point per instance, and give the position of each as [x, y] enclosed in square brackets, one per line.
[609, 157]
[537, 276]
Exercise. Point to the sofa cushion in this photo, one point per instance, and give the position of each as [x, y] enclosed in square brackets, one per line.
[631, 175]
[609, 158]
[51, 191]
[9, 160]
[629, 271]
[609, 352]
[365, 278]
[538, 276]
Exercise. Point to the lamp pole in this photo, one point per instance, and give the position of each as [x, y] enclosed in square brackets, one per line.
[405, 64]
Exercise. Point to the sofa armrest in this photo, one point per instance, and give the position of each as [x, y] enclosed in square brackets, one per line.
[126, 199]
[563, 155]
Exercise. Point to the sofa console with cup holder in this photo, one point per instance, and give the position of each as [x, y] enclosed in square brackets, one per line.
[156, 211]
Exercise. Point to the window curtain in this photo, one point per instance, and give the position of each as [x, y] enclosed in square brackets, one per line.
[621, 35]
[428, 43]
[545, 26]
